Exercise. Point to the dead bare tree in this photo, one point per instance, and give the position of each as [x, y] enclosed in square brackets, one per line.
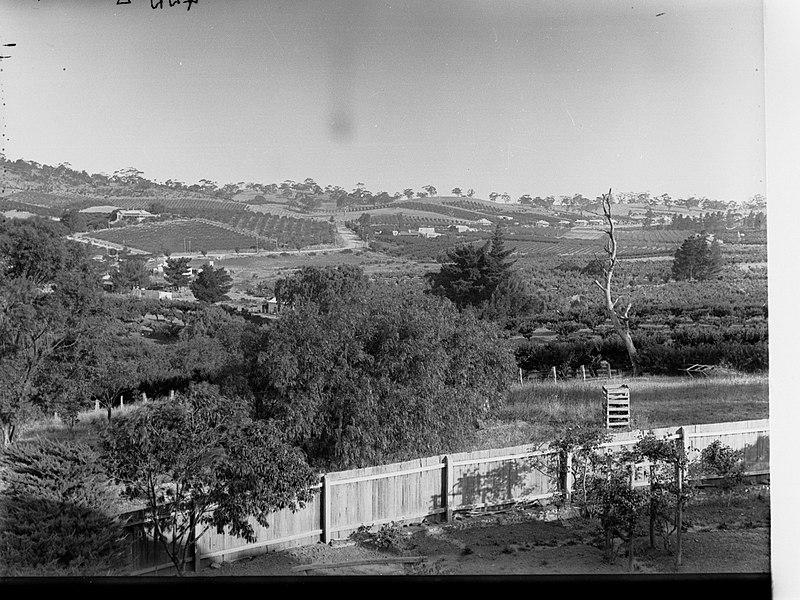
[620, 320]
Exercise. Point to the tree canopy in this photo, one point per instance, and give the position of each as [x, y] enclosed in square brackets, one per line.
[58, 512]
[200, 461]
[211, 284]
[698, 258]
[131, 273]
[386, 373]
[471, 274]
[45, 307]
[176, 272]
[324, 286]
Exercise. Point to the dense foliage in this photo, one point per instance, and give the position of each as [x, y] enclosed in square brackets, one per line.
[699, 257]
[384, 374]
[324, 286]
[211, 284]
[200, 461]
[56, 512]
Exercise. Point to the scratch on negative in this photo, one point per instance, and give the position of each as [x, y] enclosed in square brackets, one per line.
[570, 116]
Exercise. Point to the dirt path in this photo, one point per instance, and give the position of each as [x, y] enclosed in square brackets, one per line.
[719, 539]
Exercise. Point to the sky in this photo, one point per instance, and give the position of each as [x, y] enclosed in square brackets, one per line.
[523, 97]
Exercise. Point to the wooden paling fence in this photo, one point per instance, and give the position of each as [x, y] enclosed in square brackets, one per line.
[432, 487]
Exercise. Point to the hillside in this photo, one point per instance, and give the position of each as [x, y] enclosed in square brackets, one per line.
[295, 215]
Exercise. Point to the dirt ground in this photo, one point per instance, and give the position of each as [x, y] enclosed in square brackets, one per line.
[718, 539]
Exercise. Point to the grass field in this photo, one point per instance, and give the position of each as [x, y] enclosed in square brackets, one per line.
[537, 412]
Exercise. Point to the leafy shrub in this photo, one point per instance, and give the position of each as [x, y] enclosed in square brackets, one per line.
[56, 512]
[720, 460]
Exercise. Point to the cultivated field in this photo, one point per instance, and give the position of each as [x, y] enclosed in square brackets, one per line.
[185, 235]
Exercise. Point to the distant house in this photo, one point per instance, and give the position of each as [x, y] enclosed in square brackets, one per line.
[542, 223]
[563, 223]
[197, 264]
[139, 215]
[270, 307]
[581, 223]
[428, 232]
[463, 228]
[596, 222]
[484, 222]
[408, 234]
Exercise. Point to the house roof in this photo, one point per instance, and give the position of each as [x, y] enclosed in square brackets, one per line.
[105, 208]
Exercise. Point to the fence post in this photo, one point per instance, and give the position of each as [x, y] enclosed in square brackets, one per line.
[448, 485]
[97, 405]
[554, 374]
[569, 480]
[122, 401]
[680, 450]
[583, 372]
[326, 509]
[193, 539]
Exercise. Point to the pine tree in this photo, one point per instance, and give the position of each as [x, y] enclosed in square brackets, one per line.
[211, 285]
[131, 273]
[58, 506]
[698, 258]
[497, 257]
[175, 272]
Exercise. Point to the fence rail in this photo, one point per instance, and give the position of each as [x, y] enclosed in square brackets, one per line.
[434, 486]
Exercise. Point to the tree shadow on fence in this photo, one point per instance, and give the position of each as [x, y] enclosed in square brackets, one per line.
[511, 482]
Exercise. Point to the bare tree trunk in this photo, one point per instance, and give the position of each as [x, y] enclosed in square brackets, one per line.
[620, 321]
[8, 433]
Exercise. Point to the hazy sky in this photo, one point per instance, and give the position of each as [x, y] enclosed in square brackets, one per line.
[533, 97]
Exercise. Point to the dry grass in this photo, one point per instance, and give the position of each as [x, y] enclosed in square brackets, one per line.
[540, 411]
[88, 428]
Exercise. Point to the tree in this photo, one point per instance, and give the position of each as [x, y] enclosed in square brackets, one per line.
[74, 221]
[470, 193]
[175, 272]
[471, 274]
[35, 324]
[200, 461]
[430, 189]
[213, 347]
[131, 273]
[365, 227]
[32, 249]
[620, 321]
[456, 191]
[211, 285]
[408, 193]
[324, 286]
[512, 301]
[58, 512]
[386, 374]
[698, 258]
[118, 360]
[464, 278]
